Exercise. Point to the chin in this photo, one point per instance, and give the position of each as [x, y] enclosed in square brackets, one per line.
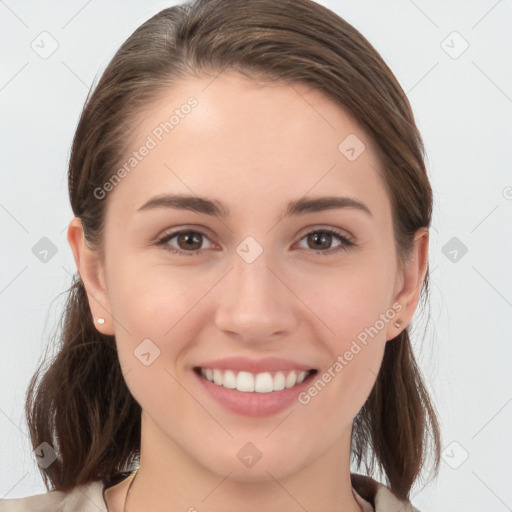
[263, 469]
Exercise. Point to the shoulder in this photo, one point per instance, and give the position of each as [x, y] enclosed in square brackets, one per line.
[377, 497]
[82, 498]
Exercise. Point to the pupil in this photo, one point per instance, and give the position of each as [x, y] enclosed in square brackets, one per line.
[322, 236]
[185, 237]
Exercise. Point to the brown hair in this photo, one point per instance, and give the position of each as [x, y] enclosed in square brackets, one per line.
[82, 406]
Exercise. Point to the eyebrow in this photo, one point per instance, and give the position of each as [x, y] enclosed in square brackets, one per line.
[213, 207]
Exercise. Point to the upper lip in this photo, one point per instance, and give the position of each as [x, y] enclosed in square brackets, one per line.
[266, 364]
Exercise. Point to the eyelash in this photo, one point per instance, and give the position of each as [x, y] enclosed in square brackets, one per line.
[346, 243]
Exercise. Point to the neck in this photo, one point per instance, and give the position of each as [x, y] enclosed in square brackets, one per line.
[169, 479]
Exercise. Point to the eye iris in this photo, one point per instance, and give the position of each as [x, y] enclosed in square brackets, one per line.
[185, 237]
[316, 236]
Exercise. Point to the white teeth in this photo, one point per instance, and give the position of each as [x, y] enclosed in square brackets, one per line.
[264, 383]
[217, 377]
[291, 380]
[279, 381]
[245, 381]
[248, 382]
[229, 379]
[301, 377]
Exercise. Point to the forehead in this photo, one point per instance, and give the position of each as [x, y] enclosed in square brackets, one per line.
[248, 143]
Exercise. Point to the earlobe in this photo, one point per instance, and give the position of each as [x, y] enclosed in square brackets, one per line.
[91, 271]
[409, 283]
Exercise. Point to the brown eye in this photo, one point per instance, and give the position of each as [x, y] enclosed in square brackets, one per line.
[191, 241]
[321, 241]
[188, 242]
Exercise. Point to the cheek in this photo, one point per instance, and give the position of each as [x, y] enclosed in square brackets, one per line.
[156, 317]
[156, 314]
[151, 299]
[347, 300]
[353, 306]
[340, 390]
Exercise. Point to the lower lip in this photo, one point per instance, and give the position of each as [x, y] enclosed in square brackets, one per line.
[254, 404]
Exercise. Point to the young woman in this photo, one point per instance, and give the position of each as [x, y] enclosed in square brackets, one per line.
[251, 230]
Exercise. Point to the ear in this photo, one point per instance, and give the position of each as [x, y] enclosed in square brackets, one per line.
[91, 270]
[408, 284]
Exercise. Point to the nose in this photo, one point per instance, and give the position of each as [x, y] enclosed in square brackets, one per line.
[255, 302]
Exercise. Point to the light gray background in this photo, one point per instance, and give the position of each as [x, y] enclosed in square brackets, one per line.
[463, 106]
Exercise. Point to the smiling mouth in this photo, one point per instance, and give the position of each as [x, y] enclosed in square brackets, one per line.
[247, 382]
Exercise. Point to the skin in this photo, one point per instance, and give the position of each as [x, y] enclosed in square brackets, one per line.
[254, 147]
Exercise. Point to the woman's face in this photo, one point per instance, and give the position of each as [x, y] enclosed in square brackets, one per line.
[253, 285]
